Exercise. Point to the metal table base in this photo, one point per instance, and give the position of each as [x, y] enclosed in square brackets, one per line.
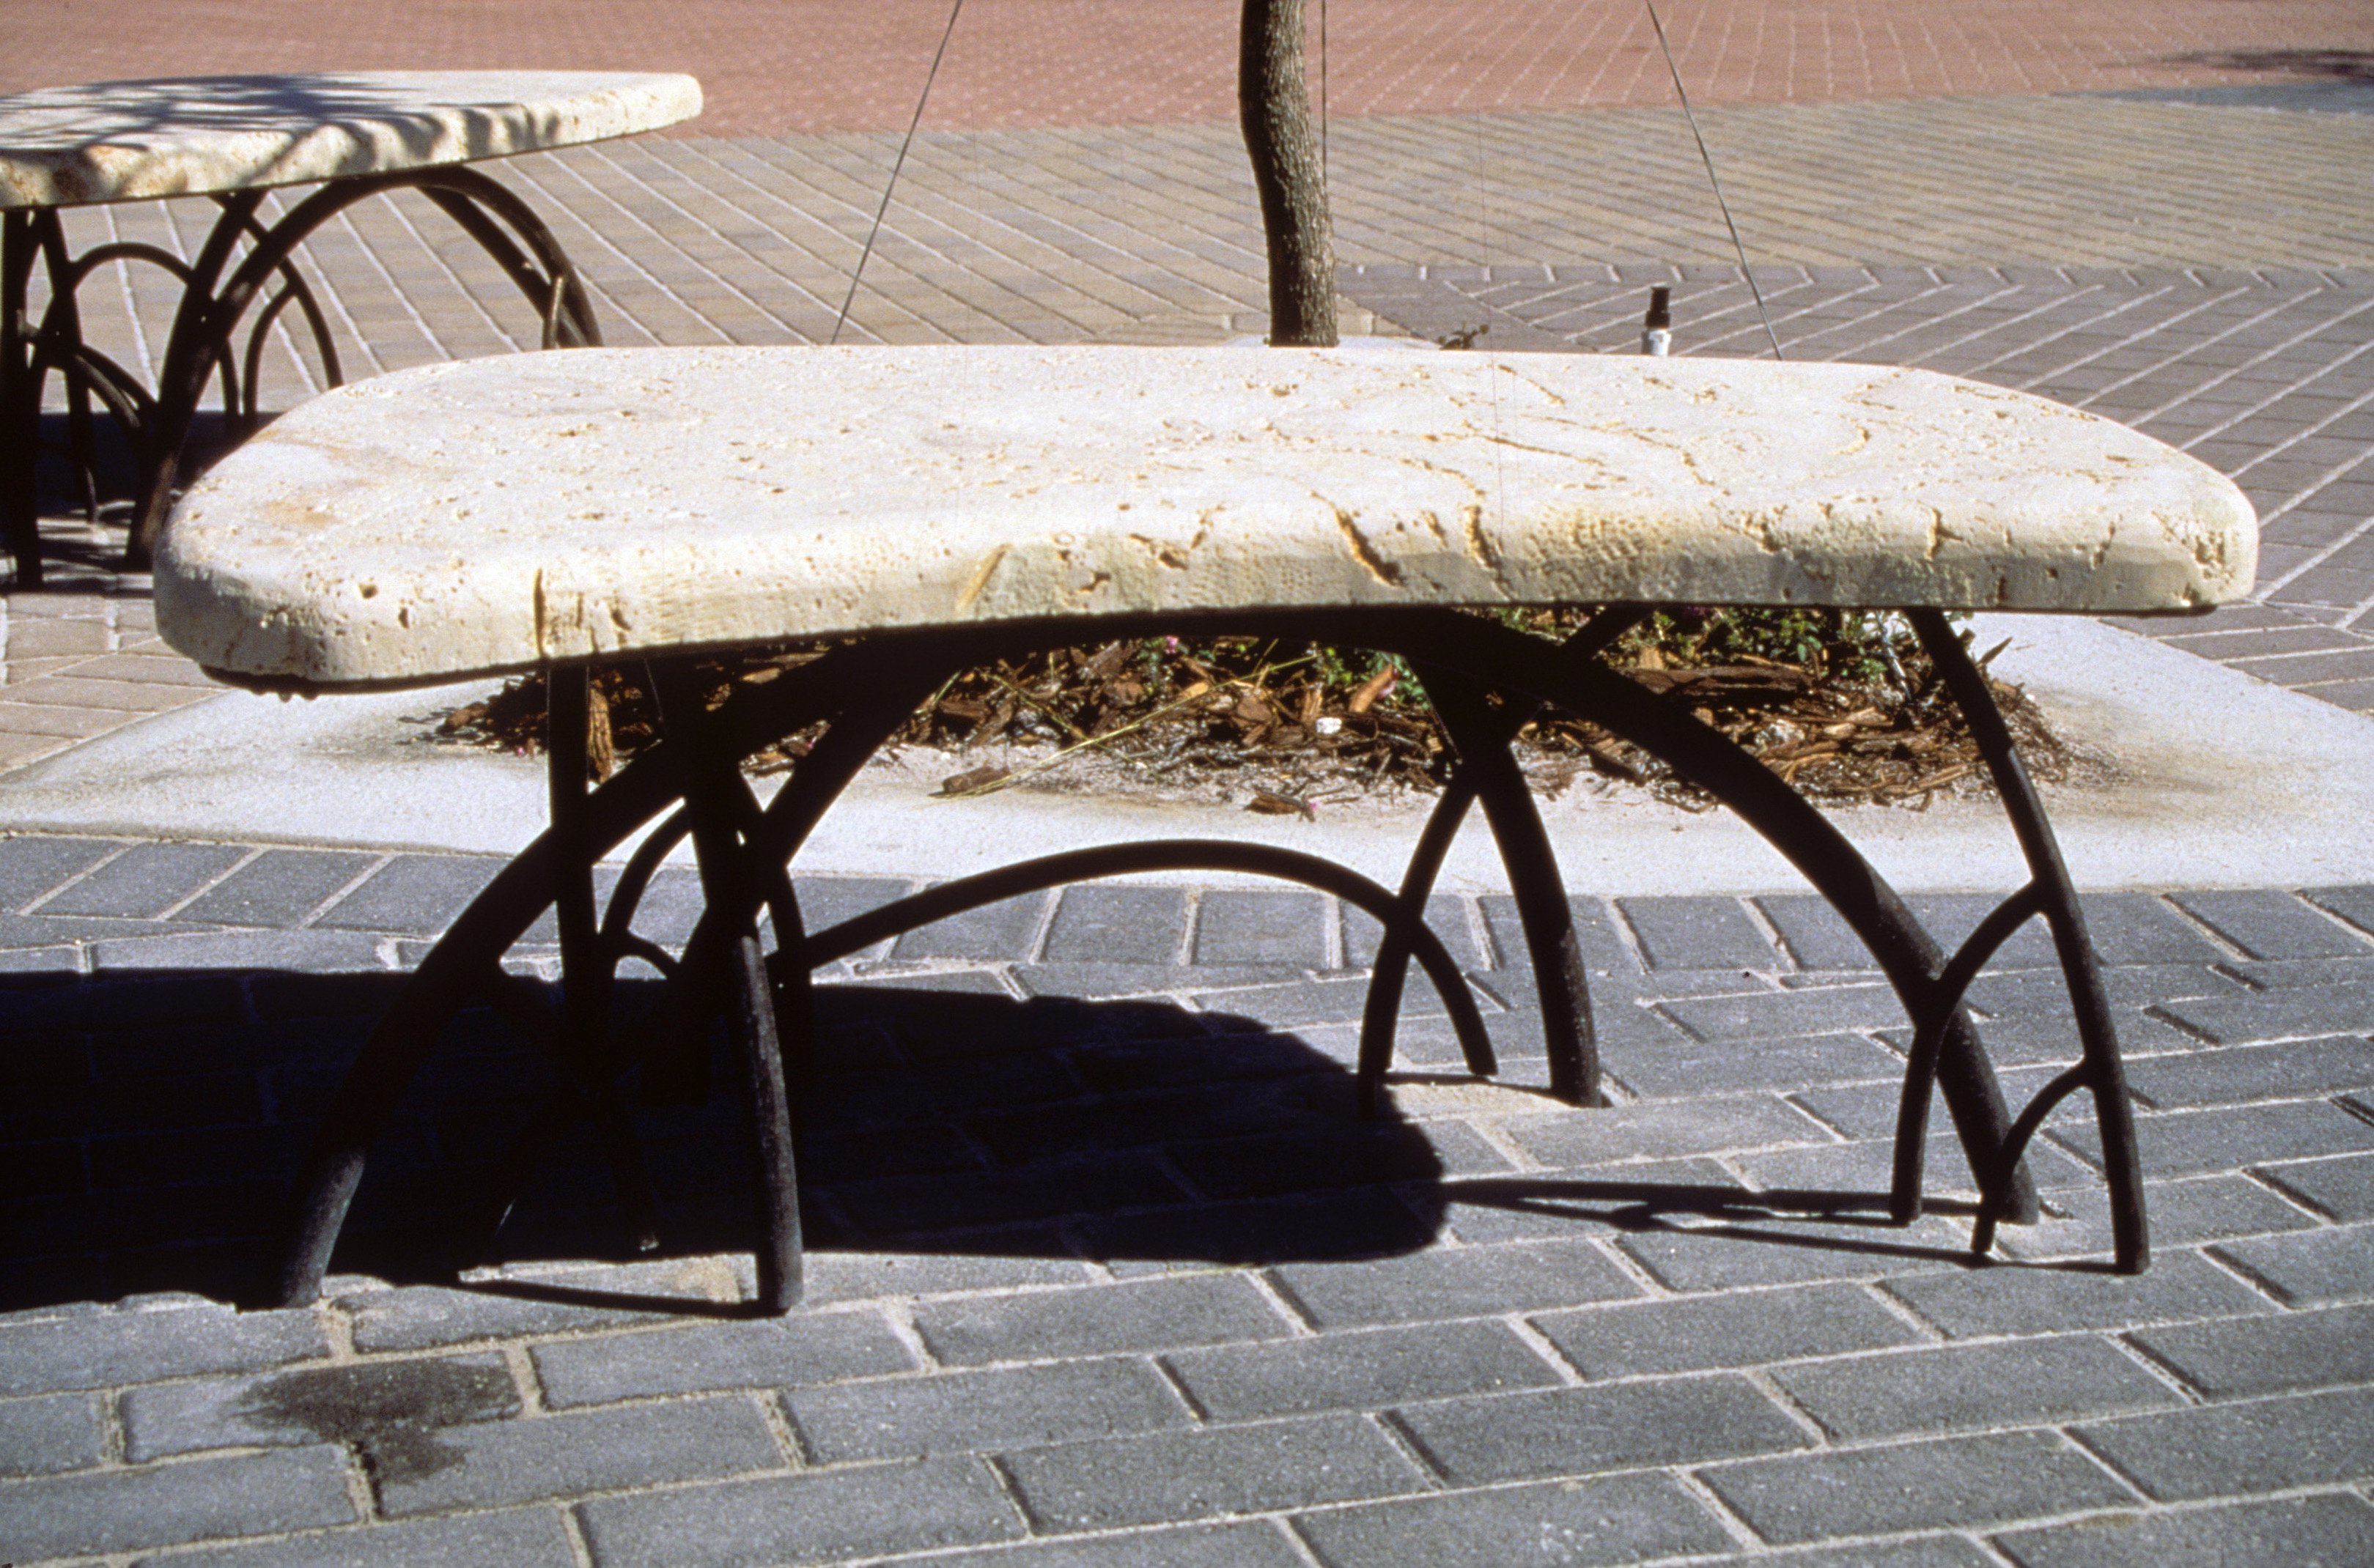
[231, 298]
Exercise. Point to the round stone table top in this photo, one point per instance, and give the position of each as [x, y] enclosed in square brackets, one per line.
[196, 135]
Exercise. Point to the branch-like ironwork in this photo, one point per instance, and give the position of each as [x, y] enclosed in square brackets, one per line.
[687, 785]
[2100, 1066]
[234, 293]
[200, 346]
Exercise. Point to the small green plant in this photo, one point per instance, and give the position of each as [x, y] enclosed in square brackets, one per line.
[1848, 647]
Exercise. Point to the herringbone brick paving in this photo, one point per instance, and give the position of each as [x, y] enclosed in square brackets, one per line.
[775, 66]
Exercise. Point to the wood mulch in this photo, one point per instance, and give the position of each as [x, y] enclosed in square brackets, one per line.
[1292, 729]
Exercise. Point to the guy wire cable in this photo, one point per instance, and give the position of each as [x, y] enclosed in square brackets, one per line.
[1708, 158]
[898, 164]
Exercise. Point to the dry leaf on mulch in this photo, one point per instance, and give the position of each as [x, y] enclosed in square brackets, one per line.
[1289, 726]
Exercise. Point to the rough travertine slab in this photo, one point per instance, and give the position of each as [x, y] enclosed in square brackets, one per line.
[493, 514]
[189, 136]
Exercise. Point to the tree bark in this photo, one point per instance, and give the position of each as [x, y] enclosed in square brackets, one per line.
[1274, 107]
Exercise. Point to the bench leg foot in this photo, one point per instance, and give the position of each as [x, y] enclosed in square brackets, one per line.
[1498, 656]
[2050, 895]
[724, 824]
[1481, 736]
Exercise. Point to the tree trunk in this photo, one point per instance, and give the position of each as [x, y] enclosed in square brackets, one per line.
[1274, 107]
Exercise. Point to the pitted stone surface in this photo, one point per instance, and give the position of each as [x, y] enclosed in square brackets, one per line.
[491, 515]
[178, 136]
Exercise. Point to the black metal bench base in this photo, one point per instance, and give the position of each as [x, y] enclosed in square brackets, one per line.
[691, 785]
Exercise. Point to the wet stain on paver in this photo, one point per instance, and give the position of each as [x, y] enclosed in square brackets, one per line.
[393, 1411]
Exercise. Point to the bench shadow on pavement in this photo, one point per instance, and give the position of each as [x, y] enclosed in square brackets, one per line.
[153, 1123]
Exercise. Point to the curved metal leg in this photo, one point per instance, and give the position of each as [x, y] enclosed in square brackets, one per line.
[585, 979]
[194, 349]
[677, 1075]
[1496, 656]
[88, 374]
[1939, 1010]
[467, 958]
[293, 291]
[2051, 894]
[390, 1058]
[587, 1093]
[1381, 1013]
[744, 852]
[581, 1046]
[584, 1046]
[634, 880]
[540, 272]
[1573, 1057]
[713, 782]
[1482, 740]
[1902, 948]
[21, 238]
[86, 371]
[60, 348]
[1140, 856]
[900, 674]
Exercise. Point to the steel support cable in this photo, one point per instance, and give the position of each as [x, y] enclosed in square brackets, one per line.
[1707, 158]
[895, 165]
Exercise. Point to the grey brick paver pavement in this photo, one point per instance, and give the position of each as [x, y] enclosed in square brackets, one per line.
[1107, 1277]
[1604, 1337]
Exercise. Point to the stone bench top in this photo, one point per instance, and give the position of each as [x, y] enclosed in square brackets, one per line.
[490, 515]
[193, 135]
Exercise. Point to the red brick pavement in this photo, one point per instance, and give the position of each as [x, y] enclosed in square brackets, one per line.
[771, 66]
